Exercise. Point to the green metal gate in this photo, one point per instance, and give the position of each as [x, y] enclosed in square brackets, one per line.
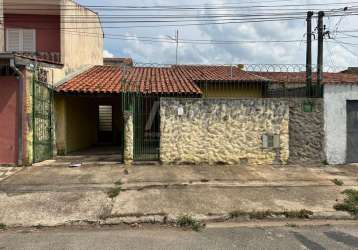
[42, 118]
[146, 118]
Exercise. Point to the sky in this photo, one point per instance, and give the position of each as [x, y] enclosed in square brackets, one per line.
[335, 55]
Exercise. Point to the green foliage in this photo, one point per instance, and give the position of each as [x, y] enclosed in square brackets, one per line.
[338, 182]
[259, 215]
[291, 225]
[187, 221]
[2, 226]
[114, 192]
[236, 214]
[300, 214]
[118, 183]
[350, 203]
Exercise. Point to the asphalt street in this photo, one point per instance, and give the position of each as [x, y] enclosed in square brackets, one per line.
[340, 237]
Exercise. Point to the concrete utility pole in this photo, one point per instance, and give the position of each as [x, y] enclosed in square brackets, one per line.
[309, 52]
[177, 40]
[320, 48]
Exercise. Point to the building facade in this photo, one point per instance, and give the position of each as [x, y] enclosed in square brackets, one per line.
[41, 43]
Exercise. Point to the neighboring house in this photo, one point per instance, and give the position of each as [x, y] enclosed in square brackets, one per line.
[340, 112]
[341, 120]
[41, 43]
[118, 61]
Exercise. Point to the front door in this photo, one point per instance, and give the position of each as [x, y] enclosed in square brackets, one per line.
[352, 131]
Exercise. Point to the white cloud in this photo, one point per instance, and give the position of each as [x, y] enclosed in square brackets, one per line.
[271, 53]
[107, 54]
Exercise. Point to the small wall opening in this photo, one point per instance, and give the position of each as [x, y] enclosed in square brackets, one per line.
[105, 124]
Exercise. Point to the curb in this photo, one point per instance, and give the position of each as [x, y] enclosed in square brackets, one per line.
[171, 220]
[213, 218]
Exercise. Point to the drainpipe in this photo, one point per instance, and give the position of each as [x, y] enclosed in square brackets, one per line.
[20, 110]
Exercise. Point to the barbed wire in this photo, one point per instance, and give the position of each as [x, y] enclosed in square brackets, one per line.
[260, 67]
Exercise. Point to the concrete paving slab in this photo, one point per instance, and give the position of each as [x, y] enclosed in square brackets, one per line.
[53, 195]
[204, 200]
[6, 172]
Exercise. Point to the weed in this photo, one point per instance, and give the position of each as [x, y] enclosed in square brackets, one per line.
[39, 226]
[350, 203]
[236, 214]
[114, 192]
[291, 225]
[118, 183]
[325, 162]
[187, 221]
[338, 182]
[301, 214]
[260, 215]
[105, 212]
[2, 226]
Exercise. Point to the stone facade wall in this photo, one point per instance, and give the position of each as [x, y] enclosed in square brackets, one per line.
[306, 131]
[226, 131]
[128, 155]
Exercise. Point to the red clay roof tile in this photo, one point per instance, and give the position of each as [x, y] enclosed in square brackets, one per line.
[179, 79]
[165, 80]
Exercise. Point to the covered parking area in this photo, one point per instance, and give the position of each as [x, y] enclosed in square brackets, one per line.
[89, 124]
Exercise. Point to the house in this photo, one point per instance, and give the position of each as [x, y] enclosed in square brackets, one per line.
[149, 91]
[341, 120]
[82, 100]
[57, 98]
[340, 94]
[41, 43]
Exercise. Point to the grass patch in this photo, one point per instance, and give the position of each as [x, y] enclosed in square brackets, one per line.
[300, 214]
[118, 183]
[115, 191]
[325, 162]
[291, 225]
[187, 221]
[260, 215]
[350, 203]
[2, 226]
[236, 214]
[338, 182]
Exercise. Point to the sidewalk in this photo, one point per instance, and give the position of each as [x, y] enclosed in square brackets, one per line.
[57, 195]
[6, 172]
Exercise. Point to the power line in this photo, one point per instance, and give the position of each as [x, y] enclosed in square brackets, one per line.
[177, 7]
[343, 46]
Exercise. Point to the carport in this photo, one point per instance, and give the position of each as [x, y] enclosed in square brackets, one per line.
[108, 108]
[89, 124]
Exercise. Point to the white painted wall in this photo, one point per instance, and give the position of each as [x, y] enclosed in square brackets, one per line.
[81, 42]
[335, 115]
